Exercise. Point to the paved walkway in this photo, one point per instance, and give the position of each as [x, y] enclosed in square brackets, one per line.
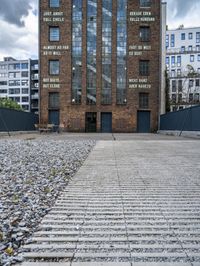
[131, 203]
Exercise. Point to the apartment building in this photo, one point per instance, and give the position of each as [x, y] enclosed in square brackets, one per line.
[16, 82]
[183, 66]
[100, 64]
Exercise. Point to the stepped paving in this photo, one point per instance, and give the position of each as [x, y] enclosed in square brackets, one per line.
[131, 203]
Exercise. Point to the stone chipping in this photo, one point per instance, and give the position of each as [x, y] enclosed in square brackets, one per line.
[32, 175]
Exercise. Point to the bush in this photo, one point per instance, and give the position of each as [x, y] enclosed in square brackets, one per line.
[8, 103]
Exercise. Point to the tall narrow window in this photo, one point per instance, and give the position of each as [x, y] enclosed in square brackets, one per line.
[145, 3]
[172, 40]
[121, 51]
[106, 51]
[91, 50]
[77, 52]
[54, 3]
[53, 100]
[145, 34]
[54, 67]
[54, 34]
[144, 67]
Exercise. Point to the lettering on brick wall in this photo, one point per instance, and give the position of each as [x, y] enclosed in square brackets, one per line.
[139, 84]
[137, 50]
[54, 49]
[51, 83]
[141, 16]
[49, 16]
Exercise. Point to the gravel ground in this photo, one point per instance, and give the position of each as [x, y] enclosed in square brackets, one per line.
[32, 173]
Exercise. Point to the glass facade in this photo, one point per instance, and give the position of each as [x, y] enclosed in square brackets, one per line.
[77, 51]
[106, 51]
[121, 51]
[91, 50]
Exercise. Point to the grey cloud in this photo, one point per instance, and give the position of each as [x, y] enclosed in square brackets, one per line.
[12, 11]
[182, 7]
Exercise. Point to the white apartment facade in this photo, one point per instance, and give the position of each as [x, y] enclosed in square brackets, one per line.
[16, 82]
[183, 66]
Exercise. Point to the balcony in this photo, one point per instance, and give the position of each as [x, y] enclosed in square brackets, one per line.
[173, 51]
[35, 96]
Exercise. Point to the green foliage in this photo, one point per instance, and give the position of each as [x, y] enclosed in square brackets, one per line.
[8, 103]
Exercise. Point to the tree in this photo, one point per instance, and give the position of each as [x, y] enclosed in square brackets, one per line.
[8, 103]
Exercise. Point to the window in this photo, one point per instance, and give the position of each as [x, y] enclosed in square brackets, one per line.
[144, 100]
[190, 35]
[54, 67]
[178, 61]
[182, 48]
[14, 66]
[167, 41]
[53, 100]
[196, 97]
[25, 82]
[24, 74]
[167, 60]
[145, 3]
[3, 66]
[198, 57]
[191, 97]
[178, 72]
[173, 98]
[172, 40]
[2, 91]
[190, 48]
[145, 34]
[15, 99]
[198, 37]
[3, 83]
[14, 75]
[24, 90]
[54, 34]
[180, 98]
[197, 47]
[54, 3]
[25, 99]
[14, 83]
[191, 83]
[191, 58]
[24, 65]
[144, 67]
[182, 36]
[180, 85]
[173, 73]
[3, 75]
[197, 82]
[173, 60]
[14, 91]
[173, 85]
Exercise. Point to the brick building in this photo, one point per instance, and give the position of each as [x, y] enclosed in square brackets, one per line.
[100, 64]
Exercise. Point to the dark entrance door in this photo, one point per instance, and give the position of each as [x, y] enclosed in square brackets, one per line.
[54, 118]
[143, 121]
[106, 122]
[91, 122]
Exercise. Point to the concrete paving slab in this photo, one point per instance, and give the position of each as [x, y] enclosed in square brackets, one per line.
[134, 201]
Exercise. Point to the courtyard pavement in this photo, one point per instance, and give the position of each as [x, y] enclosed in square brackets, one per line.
[134, 202]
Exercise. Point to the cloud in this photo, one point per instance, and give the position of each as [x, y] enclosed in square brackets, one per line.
[20, 42]
[184, 7]
[183, 12]
[14, 11]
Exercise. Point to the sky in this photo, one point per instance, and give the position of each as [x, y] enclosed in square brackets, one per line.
[19, 24]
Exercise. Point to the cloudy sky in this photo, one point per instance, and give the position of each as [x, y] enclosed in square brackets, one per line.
[19, 24]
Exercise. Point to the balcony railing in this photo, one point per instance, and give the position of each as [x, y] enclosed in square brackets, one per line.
[193, 49]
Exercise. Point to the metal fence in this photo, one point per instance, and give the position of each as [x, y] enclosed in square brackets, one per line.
[12, 120]
[183, 120]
